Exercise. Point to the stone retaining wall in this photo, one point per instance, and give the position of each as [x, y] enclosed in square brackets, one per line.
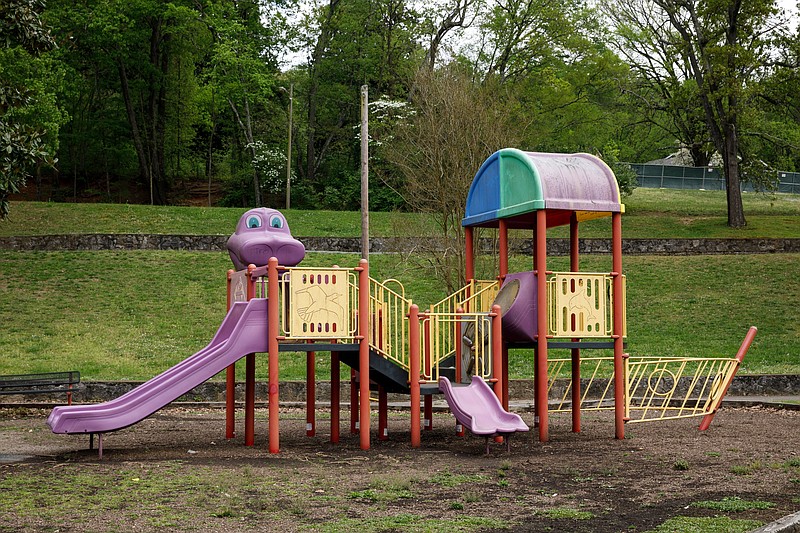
[555, 247]
[294, 391]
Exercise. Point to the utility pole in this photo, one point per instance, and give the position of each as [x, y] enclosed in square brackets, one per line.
[364, 172]
[289, 150]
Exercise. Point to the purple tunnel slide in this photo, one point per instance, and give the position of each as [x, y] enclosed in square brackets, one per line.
[243, 331]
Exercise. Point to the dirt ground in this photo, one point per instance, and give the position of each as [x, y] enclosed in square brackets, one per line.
[176, 471]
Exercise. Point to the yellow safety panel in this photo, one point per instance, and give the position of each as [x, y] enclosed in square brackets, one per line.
[319, 303]
[581, 305]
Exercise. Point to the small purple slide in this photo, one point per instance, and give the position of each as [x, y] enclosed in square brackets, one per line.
[477, 408]
[243, 331]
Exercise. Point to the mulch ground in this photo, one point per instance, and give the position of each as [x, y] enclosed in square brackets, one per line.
[658, 472]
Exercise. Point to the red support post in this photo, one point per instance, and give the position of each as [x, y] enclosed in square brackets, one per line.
[541, 312]
[469, 253]
[535, 349]
[414, 355]
[497, 351]
[458, 346]
[748, 340]
[336, 383]
[354, 401]
[383, 414]
[497, 355]
[574, 266]
[503, 230]
[459, 428]
[427, 371]
[363, 350]
[273, 330]
[311, 394]
[250, 376]
[619, 364]
[428, 402]
[250, 399]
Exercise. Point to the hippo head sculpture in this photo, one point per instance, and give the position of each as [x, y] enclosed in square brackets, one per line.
[260, 234]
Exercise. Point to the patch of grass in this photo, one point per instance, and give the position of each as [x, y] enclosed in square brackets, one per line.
[76, 492]
[410, 523]
[733, 504]
[719, 524]
[746, 470]
[650, 213]
[39, 218]
[133, 314]
[565, 513]
[471, 496]
[680, 464]
[383, 490]
[448, 479]
[794, 462]
[713, 454]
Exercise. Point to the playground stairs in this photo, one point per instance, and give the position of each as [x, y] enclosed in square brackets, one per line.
[393, 377]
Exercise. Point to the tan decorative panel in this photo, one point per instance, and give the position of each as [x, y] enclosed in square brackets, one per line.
[319, 303]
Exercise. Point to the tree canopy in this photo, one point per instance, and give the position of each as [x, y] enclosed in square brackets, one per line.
[146, 101]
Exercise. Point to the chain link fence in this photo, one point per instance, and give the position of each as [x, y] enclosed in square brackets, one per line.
[702, 178]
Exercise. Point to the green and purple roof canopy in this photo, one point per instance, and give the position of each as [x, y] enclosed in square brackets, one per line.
[513, 185]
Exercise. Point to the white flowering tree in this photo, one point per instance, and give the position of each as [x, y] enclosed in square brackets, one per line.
[270, 163]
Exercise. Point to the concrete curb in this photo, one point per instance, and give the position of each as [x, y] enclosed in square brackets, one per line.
[756, 389]
[787, 524]
[401, 405]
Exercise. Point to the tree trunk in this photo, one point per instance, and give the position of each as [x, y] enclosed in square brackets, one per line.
[247, 131]
[319, 50]
[144, 167]
[734, 192]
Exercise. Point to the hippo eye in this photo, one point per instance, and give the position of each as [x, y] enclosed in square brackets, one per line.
[276, 222]
[253, 221]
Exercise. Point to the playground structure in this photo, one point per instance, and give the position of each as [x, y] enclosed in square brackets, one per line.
[393, 347]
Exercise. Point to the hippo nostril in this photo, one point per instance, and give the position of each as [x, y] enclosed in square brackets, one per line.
[257, 253]
[291, 253]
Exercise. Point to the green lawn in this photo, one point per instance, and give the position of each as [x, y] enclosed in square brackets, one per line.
[133, 314]
[650, 213]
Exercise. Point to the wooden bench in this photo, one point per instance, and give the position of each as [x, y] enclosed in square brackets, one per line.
[46, 383]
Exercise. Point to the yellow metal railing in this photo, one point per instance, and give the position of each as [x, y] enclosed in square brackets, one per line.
[656, 388]
[388, 311]
[581, 305]
[440, 333]
[322, 303]
[596, 385]
[660, 388]
[475, 297]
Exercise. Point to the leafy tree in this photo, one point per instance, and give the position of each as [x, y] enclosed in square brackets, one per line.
[350, 44]
[723, 47]
[244, 65]
[29, 117]
[442, 147]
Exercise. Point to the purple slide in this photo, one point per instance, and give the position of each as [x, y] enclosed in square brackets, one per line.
[243, 331]
[477, 408]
